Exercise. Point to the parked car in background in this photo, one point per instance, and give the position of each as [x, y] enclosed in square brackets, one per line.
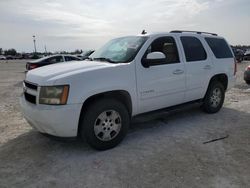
[247, 75]
[2, 57]
[19, 56]
[10, 57]
[50, 60]
[239, 54]
[247, 55]
[84, 55]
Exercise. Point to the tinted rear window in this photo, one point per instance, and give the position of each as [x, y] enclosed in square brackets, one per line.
[193, 49]
[219, 48]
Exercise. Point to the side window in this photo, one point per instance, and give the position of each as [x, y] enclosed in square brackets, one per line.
[74, 59]
[59, 59]
[167, 46]
[194, 51]
[55, 59]
[51, 60]
[219, 48]
[69, 58]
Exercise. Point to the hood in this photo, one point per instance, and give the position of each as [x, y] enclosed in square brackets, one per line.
[49, 74]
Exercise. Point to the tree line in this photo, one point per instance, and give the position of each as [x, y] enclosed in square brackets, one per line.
[242, 47]
[14, 52]
[11, 51]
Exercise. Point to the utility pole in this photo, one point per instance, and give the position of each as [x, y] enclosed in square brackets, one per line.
[34, 40]
[45, 49]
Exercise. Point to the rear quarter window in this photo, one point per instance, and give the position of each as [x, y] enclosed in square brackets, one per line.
[194, 51]
[219, 47]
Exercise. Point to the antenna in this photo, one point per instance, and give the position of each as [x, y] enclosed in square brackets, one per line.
[143, 32]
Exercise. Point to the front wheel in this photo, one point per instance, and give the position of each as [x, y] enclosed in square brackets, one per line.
[105, 124]
[214, 97]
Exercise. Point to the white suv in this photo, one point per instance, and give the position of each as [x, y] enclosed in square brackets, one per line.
[128, 76]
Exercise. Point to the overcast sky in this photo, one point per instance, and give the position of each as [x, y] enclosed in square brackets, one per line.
[84, 24]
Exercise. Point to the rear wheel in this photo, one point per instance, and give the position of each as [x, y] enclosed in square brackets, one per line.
[248, 82]
[105, 124]
[214, 98]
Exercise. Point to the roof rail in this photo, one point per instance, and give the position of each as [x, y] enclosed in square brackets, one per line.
[198, 32]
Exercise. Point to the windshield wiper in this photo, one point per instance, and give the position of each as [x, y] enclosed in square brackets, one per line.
[104, 59]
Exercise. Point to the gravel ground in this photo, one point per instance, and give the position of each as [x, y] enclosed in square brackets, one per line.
[164, 150]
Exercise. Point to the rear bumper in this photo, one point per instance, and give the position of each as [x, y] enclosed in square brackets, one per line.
[231, 82]
[60, 121]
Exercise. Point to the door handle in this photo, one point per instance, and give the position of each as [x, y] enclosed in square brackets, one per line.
[207, 67]
[178, 71]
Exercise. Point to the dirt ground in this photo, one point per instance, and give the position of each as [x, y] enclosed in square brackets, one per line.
[166, 150]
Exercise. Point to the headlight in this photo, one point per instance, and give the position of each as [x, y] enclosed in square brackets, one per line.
[56, 95]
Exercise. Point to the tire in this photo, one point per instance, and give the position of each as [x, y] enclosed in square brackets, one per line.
[248, 82]
[214, 97]
[105, 124]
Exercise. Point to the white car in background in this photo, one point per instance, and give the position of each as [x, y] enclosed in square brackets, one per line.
[2, 57]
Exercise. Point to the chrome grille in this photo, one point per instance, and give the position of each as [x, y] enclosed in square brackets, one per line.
[30, 91]
[30, 85]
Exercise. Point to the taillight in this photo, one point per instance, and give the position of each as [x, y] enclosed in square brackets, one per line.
[32, 66]
[248, 68]
[235, 66]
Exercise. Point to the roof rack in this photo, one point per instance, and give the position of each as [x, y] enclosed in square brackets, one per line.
[198, 32]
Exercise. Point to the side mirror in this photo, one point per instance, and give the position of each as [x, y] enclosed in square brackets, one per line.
[154, 58]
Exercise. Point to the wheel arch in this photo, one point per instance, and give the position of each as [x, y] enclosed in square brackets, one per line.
[222, 78]
[222, 81]
[121, 95]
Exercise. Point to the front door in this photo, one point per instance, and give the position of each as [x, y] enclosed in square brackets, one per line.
[161, 85]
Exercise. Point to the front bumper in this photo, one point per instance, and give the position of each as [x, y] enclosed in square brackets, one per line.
[61, 121]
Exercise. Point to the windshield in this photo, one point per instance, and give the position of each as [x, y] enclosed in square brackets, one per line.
[120, 50]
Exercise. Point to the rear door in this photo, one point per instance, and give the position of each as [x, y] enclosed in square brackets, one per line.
[161, 85]
[222, 56]
[198, 67]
